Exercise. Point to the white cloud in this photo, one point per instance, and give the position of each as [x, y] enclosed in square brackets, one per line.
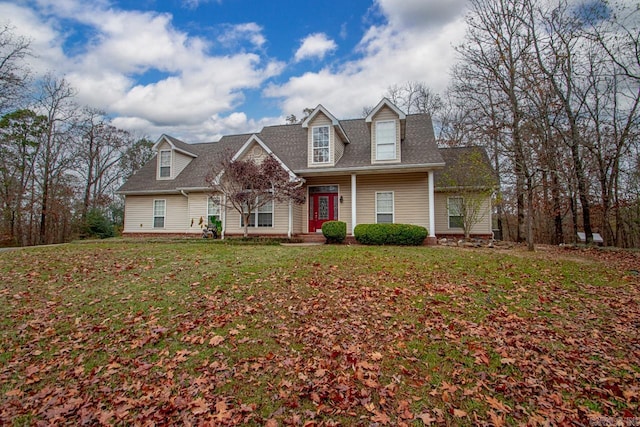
[315, 46]
[407, 47]
[235, 34]
[108, 70]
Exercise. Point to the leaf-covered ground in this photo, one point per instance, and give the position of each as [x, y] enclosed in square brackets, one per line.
[190, 332]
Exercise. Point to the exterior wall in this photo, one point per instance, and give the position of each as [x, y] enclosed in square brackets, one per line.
[299, 218]
[198, 204]
[321, 120]
[339, 147]
[344, 190]
[442, 217]
[180, 161]
[138, 214]
[410, 197]
[385, 114]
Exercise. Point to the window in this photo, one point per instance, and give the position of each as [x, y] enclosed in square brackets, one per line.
[321, 144]
[213, 209]
[455, 212]
[159, 210]
[165, 163]
[384, 207]
[386, 140]
[263, 216]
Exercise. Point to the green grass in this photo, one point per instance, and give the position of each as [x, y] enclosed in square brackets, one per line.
[125, 332]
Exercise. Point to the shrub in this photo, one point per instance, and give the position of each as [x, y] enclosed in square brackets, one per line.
[390, 234]
[97, 225]
[334, 231]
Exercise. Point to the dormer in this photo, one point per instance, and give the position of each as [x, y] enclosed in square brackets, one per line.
[387, 124]
[326, 138]
[256, 150]
[173, 156]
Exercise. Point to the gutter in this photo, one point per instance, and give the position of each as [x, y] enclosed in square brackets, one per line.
[374, 169]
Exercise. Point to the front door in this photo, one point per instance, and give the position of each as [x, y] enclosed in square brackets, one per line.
[323, 207]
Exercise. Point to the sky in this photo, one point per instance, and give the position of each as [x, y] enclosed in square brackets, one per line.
[201, 69]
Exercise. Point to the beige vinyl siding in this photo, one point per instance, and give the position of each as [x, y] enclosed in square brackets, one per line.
[385, 114]
[339, 149]
[298, 218]
[442, 217]
[255, 153]
[180, 161]
[138, 214]
[320, 120]
[344, 190]
[197, 211]
[410, 194]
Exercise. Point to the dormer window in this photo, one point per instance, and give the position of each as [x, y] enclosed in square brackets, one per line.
[386, 140]
[165, 163]
[321, 144]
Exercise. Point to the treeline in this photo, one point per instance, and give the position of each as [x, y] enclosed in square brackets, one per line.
[60, 162]
[552, 90]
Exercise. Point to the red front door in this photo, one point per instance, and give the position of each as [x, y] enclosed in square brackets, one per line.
[322, 207]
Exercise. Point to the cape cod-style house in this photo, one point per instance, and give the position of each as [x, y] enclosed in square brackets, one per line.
[382, 168]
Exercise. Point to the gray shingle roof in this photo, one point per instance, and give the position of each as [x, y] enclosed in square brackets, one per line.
[289, 143]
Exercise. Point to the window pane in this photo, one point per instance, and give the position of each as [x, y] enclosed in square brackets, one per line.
[385, 218]
[165, 158]
[158, 207]
[455, 206]
[158, 222]
[384, 202]
[386, 152]
[265, 219]
[165, 172]
[455, 222]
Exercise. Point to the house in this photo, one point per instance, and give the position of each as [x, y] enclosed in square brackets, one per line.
[381, 168]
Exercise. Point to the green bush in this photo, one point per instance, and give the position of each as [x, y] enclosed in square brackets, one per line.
[98, 225]
[390, 234]
[334, 231]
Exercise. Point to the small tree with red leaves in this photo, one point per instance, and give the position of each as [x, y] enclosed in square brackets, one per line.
[247, 185]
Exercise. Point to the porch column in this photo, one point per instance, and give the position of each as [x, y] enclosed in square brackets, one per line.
[290, 230]
[432, 209]
[353, 202]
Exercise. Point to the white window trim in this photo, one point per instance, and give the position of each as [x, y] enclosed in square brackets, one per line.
[449, 212]
[164, 214]
[313, 145]
[395, 142]
[170, 164]
[393, 206]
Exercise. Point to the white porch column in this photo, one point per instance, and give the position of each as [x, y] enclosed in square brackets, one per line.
[432, 209]
[353, 202]
[290, 230]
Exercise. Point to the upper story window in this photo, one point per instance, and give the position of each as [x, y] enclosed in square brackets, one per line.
[165, 163]
[321, 144]
[386, 140]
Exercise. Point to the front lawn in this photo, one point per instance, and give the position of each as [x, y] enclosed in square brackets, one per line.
[191, 332]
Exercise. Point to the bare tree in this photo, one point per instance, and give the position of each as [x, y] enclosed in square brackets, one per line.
[415, 97]
[58, 147]
[14, 73]
[246, 185]
[101, 150]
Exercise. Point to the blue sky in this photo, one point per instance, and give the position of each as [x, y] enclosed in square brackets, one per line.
[199, 69]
